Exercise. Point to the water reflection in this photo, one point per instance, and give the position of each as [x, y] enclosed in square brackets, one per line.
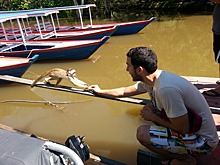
[183, 46]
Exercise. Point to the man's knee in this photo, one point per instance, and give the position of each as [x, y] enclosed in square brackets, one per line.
[143, 135]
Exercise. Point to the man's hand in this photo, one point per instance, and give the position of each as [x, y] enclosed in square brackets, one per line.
[148, 113]
[94, 89]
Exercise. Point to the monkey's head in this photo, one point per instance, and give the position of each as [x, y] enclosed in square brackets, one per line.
[70, 72]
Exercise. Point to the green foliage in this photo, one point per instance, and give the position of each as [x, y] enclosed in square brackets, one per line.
[101, 4]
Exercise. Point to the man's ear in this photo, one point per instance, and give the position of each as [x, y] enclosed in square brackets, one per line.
[139, 70]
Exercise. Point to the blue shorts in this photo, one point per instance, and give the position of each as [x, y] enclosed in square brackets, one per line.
[166, 139]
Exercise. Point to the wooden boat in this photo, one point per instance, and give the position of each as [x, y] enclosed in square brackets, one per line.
[207, 83]
[48, 50]
[43, 34]
[75, 35]
[15, 66]
[124, 28]
[61, 35]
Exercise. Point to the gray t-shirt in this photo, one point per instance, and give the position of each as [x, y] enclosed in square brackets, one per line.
[216, 20]
[174, 93]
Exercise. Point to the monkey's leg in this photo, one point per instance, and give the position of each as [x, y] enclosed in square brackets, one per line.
[58, 81]
[46, 80]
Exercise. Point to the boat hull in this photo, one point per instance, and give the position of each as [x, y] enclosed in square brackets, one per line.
[80, 35]
[60, 52]
[124, 28]
[17, 69]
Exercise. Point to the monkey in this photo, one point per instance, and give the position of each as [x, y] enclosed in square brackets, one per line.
[59, 74]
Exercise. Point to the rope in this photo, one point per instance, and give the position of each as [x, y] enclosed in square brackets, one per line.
[30, 53]
[44, 102]
[32, 101]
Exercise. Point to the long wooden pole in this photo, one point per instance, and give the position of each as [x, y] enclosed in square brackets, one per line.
[72, 90]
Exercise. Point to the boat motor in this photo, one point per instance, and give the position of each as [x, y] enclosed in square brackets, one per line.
[78, 146]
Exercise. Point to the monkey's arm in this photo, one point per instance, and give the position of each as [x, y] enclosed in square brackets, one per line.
[75, 81]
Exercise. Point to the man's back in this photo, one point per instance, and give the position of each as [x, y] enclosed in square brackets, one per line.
[175, 94]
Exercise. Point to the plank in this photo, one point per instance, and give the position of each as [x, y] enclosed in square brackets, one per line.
[72, 90]
[207, 83]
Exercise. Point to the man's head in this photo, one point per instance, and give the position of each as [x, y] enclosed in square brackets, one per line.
[141, 58]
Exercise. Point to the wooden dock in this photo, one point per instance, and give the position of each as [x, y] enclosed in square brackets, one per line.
[207, 83]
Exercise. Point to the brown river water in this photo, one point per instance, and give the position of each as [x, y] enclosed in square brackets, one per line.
[183, 45]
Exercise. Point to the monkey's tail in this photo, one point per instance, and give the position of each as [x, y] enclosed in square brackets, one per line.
[39, 78]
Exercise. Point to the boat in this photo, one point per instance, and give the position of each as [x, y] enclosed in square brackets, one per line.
[48, 50]
[75, 35]
[14, 33]
[19, 147]
[15, 66]
[124, 28]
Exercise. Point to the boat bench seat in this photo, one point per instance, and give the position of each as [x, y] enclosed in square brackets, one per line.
[30, 37]
[7, 47]
[47, 25]
[48, 35]
[12, 37]
[66, 28]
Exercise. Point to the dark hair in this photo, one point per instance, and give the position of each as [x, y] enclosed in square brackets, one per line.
[144, 57]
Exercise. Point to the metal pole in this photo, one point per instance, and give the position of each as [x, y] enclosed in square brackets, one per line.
[22, 34]
[58, 23]
[54, 28]
[90, 16]
[3, 28]
[80, 17]
[42, 18]
[38, 24]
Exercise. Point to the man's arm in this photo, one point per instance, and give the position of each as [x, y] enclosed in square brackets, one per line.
[179, 124]
[117, 92]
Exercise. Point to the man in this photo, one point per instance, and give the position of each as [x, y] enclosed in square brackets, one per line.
[172, 95]
[216, 45]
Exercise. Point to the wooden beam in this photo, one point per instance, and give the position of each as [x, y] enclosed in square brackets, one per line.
[72, 90]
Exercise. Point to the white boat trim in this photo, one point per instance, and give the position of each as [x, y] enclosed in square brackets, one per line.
[64, 150]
